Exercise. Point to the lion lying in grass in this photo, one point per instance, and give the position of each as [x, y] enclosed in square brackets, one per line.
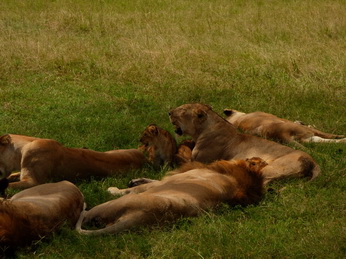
[37, 212]
[269, 126]
[216, 139]
[187, 192]
[42, 160]
[162, 147]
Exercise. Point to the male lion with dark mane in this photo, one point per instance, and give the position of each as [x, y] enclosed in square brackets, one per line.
[269, 126]
[42, 160]
[37, 212]
[186, 192]
[215, 139]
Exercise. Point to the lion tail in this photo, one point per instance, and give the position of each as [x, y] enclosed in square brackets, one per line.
[78, 226]
[315, 171]
[124, 223]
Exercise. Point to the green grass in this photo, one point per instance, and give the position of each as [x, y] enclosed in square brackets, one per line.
[95, 73]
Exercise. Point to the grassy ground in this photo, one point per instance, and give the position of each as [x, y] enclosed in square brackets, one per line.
[95, 73]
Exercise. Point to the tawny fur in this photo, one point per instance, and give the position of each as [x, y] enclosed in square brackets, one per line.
[162, 147]
[43, 160]
[270, 126]
[215, 139]
[187, 193]
[38, 211]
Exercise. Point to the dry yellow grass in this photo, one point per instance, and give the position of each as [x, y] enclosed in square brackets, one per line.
[182, 43]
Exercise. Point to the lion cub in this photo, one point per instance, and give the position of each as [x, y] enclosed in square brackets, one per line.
[162, 147]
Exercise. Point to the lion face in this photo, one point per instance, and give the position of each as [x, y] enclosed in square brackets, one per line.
[256, 163]
[5, 141]
[149, 134]
[188, 118]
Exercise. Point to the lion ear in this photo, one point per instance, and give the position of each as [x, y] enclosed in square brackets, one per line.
[5, 139]
[209, 106]
[201, 114]
[228, 112]
[153, 129]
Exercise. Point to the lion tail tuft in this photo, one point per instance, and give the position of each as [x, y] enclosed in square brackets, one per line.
[315, 172]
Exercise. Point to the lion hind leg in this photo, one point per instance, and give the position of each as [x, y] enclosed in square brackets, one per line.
[317, 139]
[326, 135]
[290, 166]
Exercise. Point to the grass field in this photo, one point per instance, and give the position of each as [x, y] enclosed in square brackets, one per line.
[96, 73]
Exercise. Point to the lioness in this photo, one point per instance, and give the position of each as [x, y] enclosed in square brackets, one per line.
[41, 160]
[38, 211]
[216, 139]
[269, 126]
[192, 189]
[162, 147]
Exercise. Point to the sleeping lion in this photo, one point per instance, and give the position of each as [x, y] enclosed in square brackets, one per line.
[269, 126]
[37, 212]
[186, 192]
[42, 160]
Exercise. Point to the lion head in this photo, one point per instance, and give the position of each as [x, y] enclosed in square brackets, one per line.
[256, 163]
[159, 144]
[149, 134]
[189, 118]
[6, 156]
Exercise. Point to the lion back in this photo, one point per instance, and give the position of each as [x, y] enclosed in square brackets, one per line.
[18, 228]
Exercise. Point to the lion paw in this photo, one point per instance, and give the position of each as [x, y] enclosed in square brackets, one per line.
[114, 190]
[139, 181]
